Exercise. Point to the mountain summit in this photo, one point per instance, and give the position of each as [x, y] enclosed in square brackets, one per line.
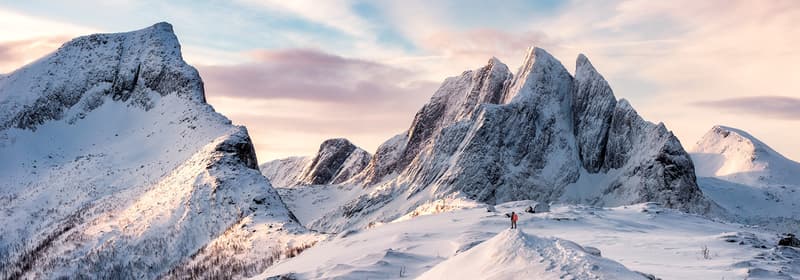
[114, 166]
[737, 156]
[540, 134]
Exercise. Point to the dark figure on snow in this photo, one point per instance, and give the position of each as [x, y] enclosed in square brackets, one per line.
[514, 219]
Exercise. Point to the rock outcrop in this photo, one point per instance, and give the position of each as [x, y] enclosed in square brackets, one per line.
[336, 161]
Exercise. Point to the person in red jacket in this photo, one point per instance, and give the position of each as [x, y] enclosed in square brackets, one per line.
[514, 219]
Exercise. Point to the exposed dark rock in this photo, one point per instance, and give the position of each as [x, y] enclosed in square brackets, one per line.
[789, 240]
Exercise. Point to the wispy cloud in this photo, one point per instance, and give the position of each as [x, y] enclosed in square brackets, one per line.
[309, 75]
[293, 96]
[780, 107]
[14, 54]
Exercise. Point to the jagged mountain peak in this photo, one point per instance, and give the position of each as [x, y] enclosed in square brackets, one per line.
[538, 68]
[540, 134]
[336, 161]
[585, 70]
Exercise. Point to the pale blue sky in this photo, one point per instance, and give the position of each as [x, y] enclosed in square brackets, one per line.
[678, 62]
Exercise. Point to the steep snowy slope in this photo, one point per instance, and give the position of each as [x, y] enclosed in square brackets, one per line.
[113, 164]
[491, 136]
[337, 161]
[737, 156]
[285, 172]
[748, 178]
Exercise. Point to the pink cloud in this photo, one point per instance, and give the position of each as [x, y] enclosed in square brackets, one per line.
[15, 54]
[779, 107]
[485, 42]
[291, 100]
[309, 75]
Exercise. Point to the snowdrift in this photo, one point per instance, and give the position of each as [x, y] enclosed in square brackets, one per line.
[513, 254]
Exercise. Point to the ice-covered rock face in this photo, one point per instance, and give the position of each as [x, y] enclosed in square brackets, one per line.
[593, 107]
[120, 169]
[459, 98]
[540, 134]
[337, 161]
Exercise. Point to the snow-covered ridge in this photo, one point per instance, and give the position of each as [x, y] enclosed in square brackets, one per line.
[513, 254]
[129, 67]
[735, 155]
[540, 134]
[114, 165]
[337, 161]
[749, 179]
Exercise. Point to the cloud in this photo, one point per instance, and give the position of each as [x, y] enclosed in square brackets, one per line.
[309, 75]
[337, 14]
[484, 43]
[779, 107]
[15, 54]
[293, 99]
[26, 38]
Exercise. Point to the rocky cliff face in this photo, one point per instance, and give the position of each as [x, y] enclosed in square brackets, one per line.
[114, 166]
[541, 134]
[337, 161]
[497, 139]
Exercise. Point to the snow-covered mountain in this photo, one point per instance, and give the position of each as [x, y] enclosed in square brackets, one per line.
[337, 161]
[114, 165]
[748, 178]
[492, 136]
[737, 156]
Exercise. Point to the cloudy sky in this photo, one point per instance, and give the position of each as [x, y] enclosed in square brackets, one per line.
[298, 72]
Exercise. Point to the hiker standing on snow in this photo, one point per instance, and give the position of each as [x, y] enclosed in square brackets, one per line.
[514, 219]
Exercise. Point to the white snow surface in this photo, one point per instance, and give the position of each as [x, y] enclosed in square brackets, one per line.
[114, 165]
[512, 254]
[735, 155]
[285, 172]
[748, 179]
[475, 243]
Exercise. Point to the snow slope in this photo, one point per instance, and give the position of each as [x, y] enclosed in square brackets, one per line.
[113, 164]
[491, 136]
[734, 155]
[749, 179]
[512, 254]
[644, 237]
[285, 172]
